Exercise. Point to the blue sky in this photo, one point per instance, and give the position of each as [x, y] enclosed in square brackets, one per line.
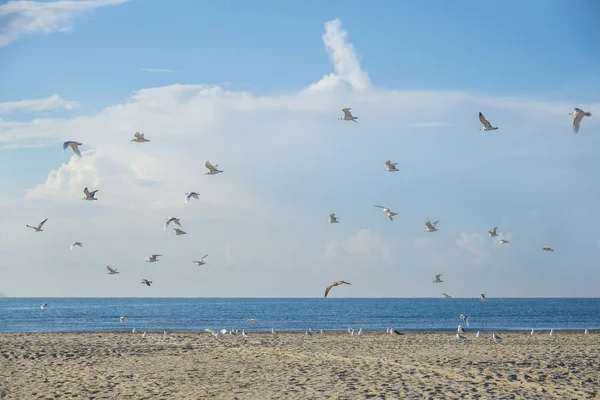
[416, 74]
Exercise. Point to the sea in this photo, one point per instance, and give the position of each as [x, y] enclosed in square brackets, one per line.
[296, 314]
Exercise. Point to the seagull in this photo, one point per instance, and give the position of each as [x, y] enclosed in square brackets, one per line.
[495, 337]
[391, 166]
[172, 219]
[532, 332]
[123, 319]
[74, 146]
[359, 332]
[446, 295]
[333, 219]
[212, 170]
[273, 331]
[218, 335]
[308, 333]
[394, 331]
[493, 233]
[112, 271]
[89, 195]
[144, 335]
[44, 306]
[460, 329]
[390, 214]
[482, 297]
[251, 320]
[348, 115]
[437, 279]
[201, 261]
[464, 318]
[39, 227]
[585, 332]
[478, 334]
[486, 125]
[179, 232]
[244, 334]
[190, 195]
[547, 248]
[164, 333]
[76, 244]
[551, 332]
[459, 336]
[578, 115]
[146, 282]
[335, 284]
[153, 258]
[133, 330]
[139, 137]
[504, 241]
[431, 226]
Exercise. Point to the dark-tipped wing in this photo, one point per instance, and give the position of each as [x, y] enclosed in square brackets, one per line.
[484, 121]
[42, 223]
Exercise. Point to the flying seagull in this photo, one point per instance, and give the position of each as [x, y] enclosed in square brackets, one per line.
[190, 195]
[493, 233]
[39, 227]
[578, 115]
[111, 271]
[391, 167]
[348, 115]
[153, 258]
[482, 297]
[123, 319]
[89, 195]
[335, 284]
[333, 219]
[486, 125]
[464, 318]
[146, 282]
[139, 138]
[212, 170]
[446, 295]
[76, 244]
[172, 219]
[431, 226]
[547, 248]
[179, 232]
[504, 241]
[201, 261]
[389, 213]
[437, 279]
[74, 146]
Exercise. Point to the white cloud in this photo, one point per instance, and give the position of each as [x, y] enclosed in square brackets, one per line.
[160, 70]
[364, 243]
[28, 17]
[48, 103]
[473, 243]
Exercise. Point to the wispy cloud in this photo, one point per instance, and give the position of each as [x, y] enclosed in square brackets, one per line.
[474, 244]
[33, 105]
[160, 70]
[364, 243]
[29, 17]
[429, 125]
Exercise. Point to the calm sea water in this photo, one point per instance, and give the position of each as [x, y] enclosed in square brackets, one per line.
[294, 315]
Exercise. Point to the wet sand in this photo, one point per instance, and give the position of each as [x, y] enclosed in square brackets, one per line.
[296, 366]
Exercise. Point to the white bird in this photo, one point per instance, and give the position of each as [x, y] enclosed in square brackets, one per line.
[578, 115]
[437, 279]
[123, 320]
[389, 213]
[359, 332]
[547, 248]
[44, 306]
[394, 331]
[464, 318]
[139, 137]
[551, 332]
[482, 297]
[495, 337]
[460, 329]
[308, 333]
[76, 244]
[201, 261]
[321, 331]
[486, 125]
[348, 115]
[133, 330]
[244, 334]
[190, 195]
[251, 320]
[153, 258]
[431, 226]
[504, 241]
[532, 332]
[333, 219]
[212, 170]
[164, 333]
[585, 332]
[335, 284]
[146, 282]
[89, 195]
[144, 335]
[493, 233]
[179, 232]
[391, 167]
[218, 335]
[478, 334]
[446, 295]
[112, 271]
[273, 331]
[459, 336]
[74, 146]
[172, 219]
[39, 227]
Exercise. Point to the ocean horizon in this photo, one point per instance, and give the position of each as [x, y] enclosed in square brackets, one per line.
[184, 314]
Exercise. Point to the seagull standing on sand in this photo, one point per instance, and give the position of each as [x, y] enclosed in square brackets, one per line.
[190, 195]
[547, 248]
[431, 226]
[76, 244]
[201, 261]
[578, 115]
[144, 335]
[146, 282]
[333, 219]
[532, 332]
[493, 233]
[551, 332]
[74, 146]
[585, 332]
[459, 336]
[389, 213]
[504, 241]
[89, 195]
[482, 297]
[478, 334]
[172, 219]
[218, 335]
[153, 258]
[139, 138]
[348, 115]
[391, 167]
[39, 227]
[486, 125]
[335, 284]
[112, 271]
[495, 337]
[437, 279]
[212, 170]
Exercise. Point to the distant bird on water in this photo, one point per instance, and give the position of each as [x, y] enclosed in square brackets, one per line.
[146, 282]
[391, 167]
[111, 271]
[389, 213]
[39, 227]
[335, 284]
[482, 297]
[76, 244]
[437, 278]
[201, 261]
[74, 146]
[348, 115]
[486, 125]
[431, 226]
[333, 219]
[89, 195]
[190, 195]
[493, 233]
[578, 115]
[139, 138]
[212, 170]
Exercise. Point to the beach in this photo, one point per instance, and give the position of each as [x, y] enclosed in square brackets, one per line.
[297, 366]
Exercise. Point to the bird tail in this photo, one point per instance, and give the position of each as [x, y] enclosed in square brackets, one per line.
[588, 114]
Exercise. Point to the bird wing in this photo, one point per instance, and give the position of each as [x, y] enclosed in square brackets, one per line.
[381, 207]
[347, 283]
[389, 163]
[206, 255]
[176, 220]
[328, 289]
[390, 216]
[87, 193]
[65, 145]
[437, 276]
[75, 148]
[332, 215]
[208, 165]
[494, 230]
[484, 121]
[347, 112]
[110, 269]
[155, 255]
[138, 135]
[42, 223]
[434, 223]
[93, 192]
[429, 225]
[576, 122]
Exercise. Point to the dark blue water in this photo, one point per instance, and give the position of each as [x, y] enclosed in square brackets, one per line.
[183, 314]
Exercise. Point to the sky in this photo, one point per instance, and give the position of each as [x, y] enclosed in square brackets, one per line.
[257, 88]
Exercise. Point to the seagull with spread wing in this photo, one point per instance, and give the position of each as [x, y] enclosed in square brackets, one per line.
[76, 244]
[153, 258]
[348, 115]
[578, 115]
[335, 284]
[212, 170]
[112, 271]
[504, 241]
[201, 261]
[191, 195]
[493, 233]
[89, 195]
[333, 219]
[389, 213]
[139, 138]
[547, 248]
[172, 219]
[74, 146]
[486, 125]
[431, 226]
[39, 227]
[146, 282]
[437, 278]
[391, 167]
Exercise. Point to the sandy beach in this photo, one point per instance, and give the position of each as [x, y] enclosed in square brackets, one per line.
[296, 366]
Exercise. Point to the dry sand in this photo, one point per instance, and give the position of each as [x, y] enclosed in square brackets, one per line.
[296, 366]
